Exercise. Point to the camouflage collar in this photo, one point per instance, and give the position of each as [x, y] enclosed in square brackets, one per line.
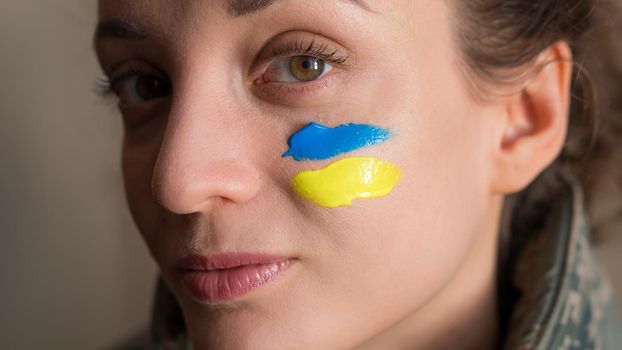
[558, 294]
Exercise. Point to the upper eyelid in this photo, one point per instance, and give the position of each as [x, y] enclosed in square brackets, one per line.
[314, 47]
[125, 71]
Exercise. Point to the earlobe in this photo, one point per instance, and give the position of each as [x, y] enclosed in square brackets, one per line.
[536, 122]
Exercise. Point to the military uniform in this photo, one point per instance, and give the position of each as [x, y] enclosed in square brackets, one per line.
[554, 295]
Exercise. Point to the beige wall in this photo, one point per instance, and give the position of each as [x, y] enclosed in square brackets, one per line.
[74, 274]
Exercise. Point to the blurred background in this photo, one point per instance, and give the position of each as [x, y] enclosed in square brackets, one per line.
[74, 273]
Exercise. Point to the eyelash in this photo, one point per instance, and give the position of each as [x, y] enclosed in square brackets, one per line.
[105, 86]
[321, 51]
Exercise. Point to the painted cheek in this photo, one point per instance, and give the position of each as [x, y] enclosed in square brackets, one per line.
[347, 179]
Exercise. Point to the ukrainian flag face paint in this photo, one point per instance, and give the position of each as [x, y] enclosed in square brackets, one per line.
[347, 179]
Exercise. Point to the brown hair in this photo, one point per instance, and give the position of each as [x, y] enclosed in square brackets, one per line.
[501, 40]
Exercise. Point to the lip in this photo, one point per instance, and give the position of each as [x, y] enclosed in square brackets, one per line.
[228, 276]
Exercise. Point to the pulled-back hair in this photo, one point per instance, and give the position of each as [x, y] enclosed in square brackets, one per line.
[500, 42]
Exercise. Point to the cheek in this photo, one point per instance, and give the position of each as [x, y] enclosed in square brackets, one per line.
[442, 199]
[421, 233]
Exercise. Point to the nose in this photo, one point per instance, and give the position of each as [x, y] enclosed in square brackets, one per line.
[202, 158]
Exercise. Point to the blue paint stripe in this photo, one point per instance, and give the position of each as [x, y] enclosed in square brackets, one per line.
[318, 142]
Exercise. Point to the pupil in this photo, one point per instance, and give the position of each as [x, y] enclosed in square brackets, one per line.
[148, 88]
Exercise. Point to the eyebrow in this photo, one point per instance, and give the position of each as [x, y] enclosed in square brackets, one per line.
[116, 28]
[239, 8]
[121, 29]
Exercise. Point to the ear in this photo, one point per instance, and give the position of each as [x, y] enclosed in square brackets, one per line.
[536, 122]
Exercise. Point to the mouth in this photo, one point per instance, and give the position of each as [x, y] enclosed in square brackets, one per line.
[229, 276]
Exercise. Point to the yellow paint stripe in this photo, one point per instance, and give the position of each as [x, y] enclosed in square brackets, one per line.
[347, 179]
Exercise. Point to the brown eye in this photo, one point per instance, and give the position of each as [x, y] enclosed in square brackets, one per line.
[306, 68]
[296, 69]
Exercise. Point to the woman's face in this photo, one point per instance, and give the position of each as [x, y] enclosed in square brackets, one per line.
[210, 98]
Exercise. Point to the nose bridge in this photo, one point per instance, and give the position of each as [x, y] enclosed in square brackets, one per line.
[201, 158]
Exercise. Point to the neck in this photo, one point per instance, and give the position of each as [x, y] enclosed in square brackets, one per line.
[464, 314]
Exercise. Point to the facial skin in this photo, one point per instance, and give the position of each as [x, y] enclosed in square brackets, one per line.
[204, 172]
